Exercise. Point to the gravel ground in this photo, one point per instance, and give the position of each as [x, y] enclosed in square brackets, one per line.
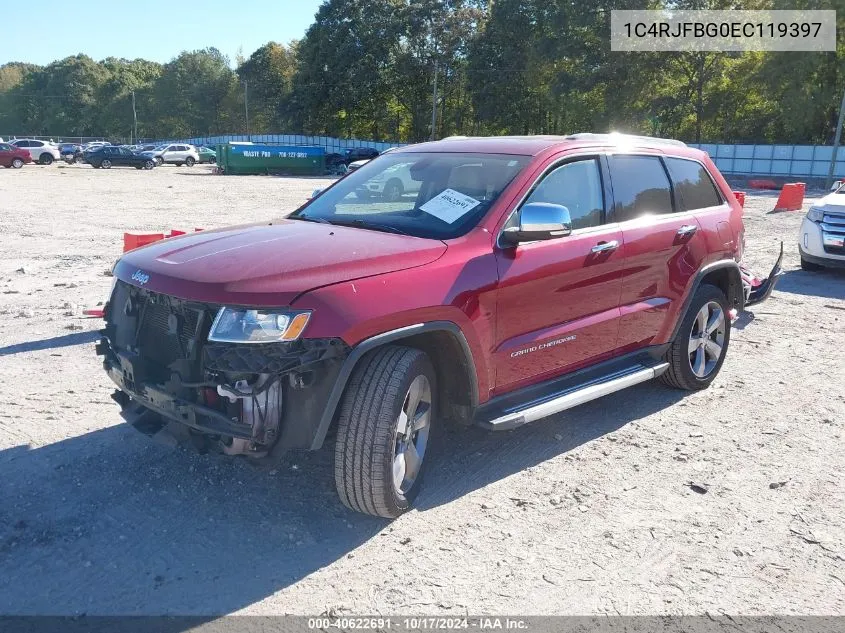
[589, 512]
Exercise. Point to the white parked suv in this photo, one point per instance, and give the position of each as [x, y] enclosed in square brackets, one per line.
[42, 152]
[391, 184]
[176, 154]
[821, 242]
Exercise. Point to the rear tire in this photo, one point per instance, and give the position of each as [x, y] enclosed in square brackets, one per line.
[190, 161]
[159, 161]
[810, 266]
[697, 353]
[46, 159]
[17, 163]
[382, 435]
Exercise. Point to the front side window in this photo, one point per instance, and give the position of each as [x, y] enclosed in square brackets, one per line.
[432, 195]
[693, 185]
[640, 186]
[576, 186]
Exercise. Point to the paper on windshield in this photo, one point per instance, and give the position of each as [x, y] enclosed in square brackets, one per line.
[450, 205]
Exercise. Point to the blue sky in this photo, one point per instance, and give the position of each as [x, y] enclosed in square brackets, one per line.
[42, 31]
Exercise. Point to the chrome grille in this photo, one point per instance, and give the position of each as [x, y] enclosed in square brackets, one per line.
[833, 233]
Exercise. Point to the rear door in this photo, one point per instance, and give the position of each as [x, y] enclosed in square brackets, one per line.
[125, 156]
[27, 146]
[558, 300]
[663, 247]
[36, 148]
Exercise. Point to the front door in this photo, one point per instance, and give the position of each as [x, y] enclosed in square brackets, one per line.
[558, 300]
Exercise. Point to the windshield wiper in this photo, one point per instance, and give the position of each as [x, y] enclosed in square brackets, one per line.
[306, 218]
[363, 224]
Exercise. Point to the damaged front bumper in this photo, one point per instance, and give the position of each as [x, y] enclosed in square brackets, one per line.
[249, 398]
[756, 289]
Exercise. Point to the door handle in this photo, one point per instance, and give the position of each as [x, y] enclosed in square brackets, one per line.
[603, 247]
[687, 229]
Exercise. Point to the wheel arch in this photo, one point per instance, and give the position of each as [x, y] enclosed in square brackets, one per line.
[445, 344]
[725, 275]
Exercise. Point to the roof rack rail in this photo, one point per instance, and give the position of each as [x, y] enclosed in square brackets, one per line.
[589, 136]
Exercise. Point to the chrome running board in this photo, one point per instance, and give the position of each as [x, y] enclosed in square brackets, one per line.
[576, 395]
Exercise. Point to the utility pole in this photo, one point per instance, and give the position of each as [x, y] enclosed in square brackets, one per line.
[434, 103]
[246, 109]
[134, 118]
[836, 143]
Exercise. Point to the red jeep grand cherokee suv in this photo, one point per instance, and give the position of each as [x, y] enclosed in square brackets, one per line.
[517, 278]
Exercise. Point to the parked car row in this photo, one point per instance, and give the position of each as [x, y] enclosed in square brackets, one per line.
[102, 154]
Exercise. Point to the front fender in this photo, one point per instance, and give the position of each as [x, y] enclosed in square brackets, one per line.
[374, 342]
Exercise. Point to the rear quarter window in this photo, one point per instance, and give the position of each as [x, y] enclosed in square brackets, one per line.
[693, 185]
[640, 187]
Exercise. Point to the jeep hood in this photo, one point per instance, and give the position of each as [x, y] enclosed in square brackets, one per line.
[269, 264]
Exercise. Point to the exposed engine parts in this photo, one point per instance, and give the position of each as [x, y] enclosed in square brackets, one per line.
[261, 409]
[155, 348]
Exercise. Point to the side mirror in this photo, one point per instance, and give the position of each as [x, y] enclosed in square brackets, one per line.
[539, 221]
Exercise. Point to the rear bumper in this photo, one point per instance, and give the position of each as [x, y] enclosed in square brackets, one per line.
[756, 289]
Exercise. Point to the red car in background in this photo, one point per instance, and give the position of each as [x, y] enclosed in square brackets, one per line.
[11, 156]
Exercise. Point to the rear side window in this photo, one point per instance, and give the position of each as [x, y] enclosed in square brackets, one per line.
[640, 187]
[693, 185]
[577, 186]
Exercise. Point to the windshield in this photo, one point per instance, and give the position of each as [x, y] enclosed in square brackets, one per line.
[431, 195]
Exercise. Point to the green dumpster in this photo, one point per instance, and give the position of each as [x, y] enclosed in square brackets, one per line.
[294, 160]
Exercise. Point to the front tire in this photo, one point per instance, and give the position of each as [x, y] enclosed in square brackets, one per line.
[149, 165]
[698, 351]
[159, 161]
[105, 164]
[384, 430]
[17, 163]
[810, 266]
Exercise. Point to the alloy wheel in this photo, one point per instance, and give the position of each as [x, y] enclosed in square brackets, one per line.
[412, 430]
[707, 339]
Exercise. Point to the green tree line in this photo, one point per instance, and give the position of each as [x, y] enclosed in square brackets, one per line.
[368, 68]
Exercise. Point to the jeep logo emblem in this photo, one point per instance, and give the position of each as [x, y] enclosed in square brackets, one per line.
[141, 277]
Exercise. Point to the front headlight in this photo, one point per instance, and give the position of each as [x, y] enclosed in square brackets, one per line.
[815, 214]
[241, 325]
